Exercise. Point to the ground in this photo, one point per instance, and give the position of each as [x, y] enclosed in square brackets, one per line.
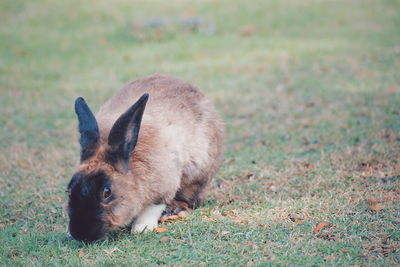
[310, 94]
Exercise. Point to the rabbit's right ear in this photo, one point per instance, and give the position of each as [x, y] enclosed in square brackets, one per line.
[88, 129]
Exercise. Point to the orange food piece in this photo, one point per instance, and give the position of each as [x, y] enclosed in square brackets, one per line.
[181, 215]
[320, 226]
[160, 229]
[169, 218]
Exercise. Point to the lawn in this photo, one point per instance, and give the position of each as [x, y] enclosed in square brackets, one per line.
[310, 94]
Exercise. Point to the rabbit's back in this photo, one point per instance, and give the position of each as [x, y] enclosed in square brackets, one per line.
[188, 126]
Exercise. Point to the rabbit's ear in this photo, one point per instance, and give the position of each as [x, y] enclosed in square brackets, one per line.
[88, 129]
[125, 131]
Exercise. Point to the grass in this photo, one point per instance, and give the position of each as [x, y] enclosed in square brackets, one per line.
[310, 94]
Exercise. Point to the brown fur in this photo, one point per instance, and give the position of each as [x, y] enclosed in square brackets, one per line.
[178, 151]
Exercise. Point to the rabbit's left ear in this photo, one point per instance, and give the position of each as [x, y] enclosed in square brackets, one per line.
[125, 132]
[88, 129]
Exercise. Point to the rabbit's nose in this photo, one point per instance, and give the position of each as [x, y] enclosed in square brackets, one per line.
[84, 238]
[87, 232]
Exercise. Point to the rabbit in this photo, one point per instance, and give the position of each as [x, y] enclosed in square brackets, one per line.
[141, 160]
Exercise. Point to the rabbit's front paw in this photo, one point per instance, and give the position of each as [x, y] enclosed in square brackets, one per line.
[148, 219]
[141, 227]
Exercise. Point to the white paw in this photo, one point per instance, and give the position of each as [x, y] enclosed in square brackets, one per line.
[144, 227]
[148, 219]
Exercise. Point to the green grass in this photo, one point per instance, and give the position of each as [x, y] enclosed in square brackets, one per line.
[311, 102]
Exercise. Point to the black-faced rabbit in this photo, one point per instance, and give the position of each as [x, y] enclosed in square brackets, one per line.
[138, 161]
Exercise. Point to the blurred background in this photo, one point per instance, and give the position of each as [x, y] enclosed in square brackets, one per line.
[309, 91]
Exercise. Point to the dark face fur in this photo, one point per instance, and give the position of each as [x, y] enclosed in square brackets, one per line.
[87, 195]
[90, 192]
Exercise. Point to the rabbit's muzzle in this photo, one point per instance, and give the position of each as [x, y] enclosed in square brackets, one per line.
[86, 229]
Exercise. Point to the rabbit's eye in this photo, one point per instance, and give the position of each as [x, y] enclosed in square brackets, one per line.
[106, 192]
